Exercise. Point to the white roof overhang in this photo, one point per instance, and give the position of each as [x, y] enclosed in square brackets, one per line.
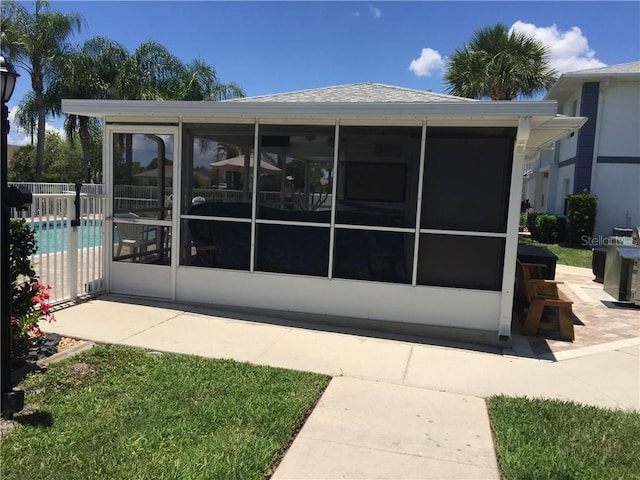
[546, 126]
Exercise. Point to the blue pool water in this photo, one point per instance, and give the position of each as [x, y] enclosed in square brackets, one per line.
[53, 236]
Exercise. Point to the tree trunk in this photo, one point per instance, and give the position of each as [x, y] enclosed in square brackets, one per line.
[85, 141]
[42, 122]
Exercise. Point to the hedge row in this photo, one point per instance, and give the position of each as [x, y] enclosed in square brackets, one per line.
[578, 224]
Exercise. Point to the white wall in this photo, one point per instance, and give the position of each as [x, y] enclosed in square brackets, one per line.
[567, 172]
[618, 184]
[619, 120]
[567, 146]
[618, 189]
[437, 306]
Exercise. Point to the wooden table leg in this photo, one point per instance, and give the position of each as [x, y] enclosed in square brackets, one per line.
[533, 318]
[565, 321]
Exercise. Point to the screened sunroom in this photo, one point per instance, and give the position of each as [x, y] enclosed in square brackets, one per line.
[363, 204]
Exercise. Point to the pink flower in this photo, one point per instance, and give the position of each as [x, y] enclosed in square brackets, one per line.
[14, 322]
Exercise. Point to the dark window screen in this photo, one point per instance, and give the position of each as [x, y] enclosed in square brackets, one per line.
[461, 261]
[466, 182]
[375, 182]
[293, 249]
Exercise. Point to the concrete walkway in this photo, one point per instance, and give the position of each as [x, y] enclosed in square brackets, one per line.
[394, 409]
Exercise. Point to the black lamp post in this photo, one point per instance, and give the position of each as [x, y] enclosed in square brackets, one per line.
[12, 401]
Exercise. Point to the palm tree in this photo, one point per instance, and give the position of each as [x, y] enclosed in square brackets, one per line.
[37, 42]
[92, 72]
[500, 65]
[156, 74]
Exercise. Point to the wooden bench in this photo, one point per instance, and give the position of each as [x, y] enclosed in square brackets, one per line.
[541, 293]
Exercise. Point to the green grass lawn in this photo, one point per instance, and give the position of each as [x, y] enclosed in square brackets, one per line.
[549, 439]
[123, 413]
[575, 257]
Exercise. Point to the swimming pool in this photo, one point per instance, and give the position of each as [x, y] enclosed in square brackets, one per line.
[53, 236]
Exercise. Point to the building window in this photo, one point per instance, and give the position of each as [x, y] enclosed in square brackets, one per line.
[217, 195]
[287, 223]
[467, 179]
[378, 176]
[461, 261]
[296, 176]
[377, 193]
[142, 197]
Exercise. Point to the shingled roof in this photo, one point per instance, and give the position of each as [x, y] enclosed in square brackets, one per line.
[570, 81]
[621, 69]
[357, 92]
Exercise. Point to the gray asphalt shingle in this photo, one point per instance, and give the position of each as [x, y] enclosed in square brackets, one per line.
[357, 92]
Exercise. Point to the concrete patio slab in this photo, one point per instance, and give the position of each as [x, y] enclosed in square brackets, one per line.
[106, 321]
[614, 374]
[210, 336]
[364, 429]
[483, 375]
[339, 354]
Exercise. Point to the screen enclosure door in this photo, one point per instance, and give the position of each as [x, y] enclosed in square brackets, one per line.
[141, 230]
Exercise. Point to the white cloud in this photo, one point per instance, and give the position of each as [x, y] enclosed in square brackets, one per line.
[429, 62]
[17, 136]
[59, 130]
[375, 12]
[569, 50]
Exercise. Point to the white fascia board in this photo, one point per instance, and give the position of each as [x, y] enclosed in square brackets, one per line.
[353, 110]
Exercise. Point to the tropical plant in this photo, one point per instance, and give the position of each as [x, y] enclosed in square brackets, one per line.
[91, 72]
[104, 69]
[29, 298]
[499, 64]
[62, 159]
[37, 42]
[581, 218]
[156, 74]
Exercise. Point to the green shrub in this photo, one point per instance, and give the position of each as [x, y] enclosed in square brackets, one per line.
[523, 222]
[531, 223]
[29, 299]
[546, 228]
[22, 246]
[581, 218]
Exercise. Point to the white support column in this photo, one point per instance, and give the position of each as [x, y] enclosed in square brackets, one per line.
[334, 195]
[513, 220]
[176, 205]
[254, 197]
[416, 238]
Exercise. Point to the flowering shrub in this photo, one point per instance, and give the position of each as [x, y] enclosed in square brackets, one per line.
[26, 327]
[29, 298]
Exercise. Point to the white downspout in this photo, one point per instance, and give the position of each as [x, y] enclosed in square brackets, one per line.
[513, 220]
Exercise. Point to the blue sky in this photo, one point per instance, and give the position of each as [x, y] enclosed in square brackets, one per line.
[271, 47]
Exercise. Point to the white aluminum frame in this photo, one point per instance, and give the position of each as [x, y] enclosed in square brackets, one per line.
[148, 278]
[476, 309]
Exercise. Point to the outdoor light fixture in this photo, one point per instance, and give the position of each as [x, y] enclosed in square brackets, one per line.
[11, 401]
[9, 76]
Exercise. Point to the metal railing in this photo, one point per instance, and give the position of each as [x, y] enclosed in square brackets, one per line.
[57, 188]
[71, 258]
[68, 258]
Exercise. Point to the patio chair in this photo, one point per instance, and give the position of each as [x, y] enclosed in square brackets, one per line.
[544, 294]
[135, 237]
